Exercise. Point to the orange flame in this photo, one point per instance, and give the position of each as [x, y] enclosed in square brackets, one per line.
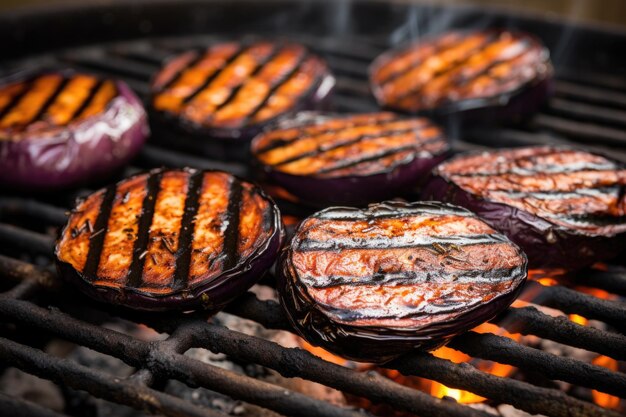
[439, 390]
[324, 354]
[600, 398]
[578, 319]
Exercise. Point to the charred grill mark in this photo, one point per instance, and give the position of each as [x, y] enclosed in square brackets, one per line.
[276, 143]
[478, 276]
[478, 65]
[387, 211]
[323, 148]
[190, 65]
[447, 69]
[384, 242]
[354, 162]
[17, 98]
[107, 92]
[49, 101]
[96, 241]
[207, 82]
[231, 237]
[569, 188]
[564, 169]
[492, 64]
[40, 90]
[416, 63]
[83, 106]
[185, 238]
[141, 243]
[294, 71]
[259, 67]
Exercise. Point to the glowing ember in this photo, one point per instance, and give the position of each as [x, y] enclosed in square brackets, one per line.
[578, 319]
[600, 398]
[494, 368]
[324, 354]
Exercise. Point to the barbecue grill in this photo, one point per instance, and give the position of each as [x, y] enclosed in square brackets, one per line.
[129, 42]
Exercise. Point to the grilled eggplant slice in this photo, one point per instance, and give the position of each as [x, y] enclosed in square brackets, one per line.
[493, 74]
[565, 207]
[231, 90]
[349, 159]
[61, 129]
[371, 284]
[171, 239]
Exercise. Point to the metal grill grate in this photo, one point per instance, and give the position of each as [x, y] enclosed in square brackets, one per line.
[588, 108]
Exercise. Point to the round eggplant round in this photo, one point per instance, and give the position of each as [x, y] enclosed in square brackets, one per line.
[372, 284]
[565, 207]
[62, 129]
[354, 159]
[170, 239]
[224, 95]
[483, 75]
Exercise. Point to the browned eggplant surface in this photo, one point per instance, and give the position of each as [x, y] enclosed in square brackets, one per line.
[343, 146]
[574, 189]
[459, 69]
[169, 237]
[370, 284]
[47, 103]
[233, 85]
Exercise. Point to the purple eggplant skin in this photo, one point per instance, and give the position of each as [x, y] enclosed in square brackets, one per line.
[371, 344]
[232, 144]
[87, 151]
[513, 106]
[356, 190]
[211, 296]
[547, 245]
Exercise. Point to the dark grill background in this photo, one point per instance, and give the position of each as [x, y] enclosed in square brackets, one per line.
[589, 108]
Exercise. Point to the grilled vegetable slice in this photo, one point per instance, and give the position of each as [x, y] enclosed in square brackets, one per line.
[231, 90]
[349, 159]
[179, 239]
[371, 284]
[504, 73]
[61, 129]
[565, 207]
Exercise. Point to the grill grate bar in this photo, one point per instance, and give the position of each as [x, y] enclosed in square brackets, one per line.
[152, 156]
[592, 94]
[585, 111]
[165, 361]
[99, 384]
[32, 208]
[529, 320]
[580, 131]
[301, 363]
[26, 240]
[265, 353]
[534, 400]
[611, 280]
[20, 408]
[504, 350]
[572, 301]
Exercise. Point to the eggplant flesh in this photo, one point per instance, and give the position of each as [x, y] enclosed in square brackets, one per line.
[226, 94]
[482, 74]
[565, 207]
[170, 239]
[372, 284]
[348, 159]
[61, 129]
